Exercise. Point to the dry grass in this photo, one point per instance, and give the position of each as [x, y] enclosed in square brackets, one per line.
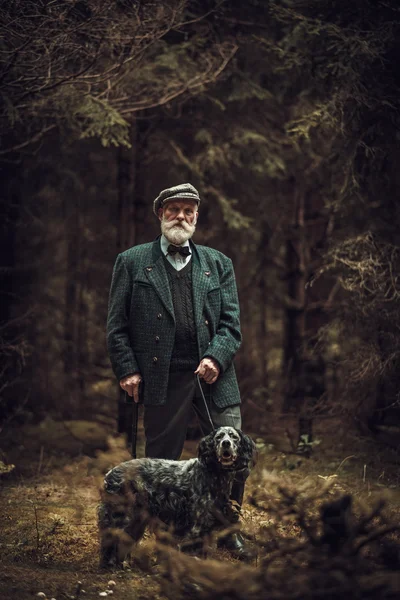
[49, 535]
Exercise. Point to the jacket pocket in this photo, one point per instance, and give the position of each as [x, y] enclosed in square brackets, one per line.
[141, 283]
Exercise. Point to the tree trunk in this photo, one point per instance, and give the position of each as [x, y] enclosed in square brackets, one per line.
[263, 342]
[305, 367]
[143, 211]
[82, 345]
[71, 313]
[295, 359]
[126, 159]
[11, 286]
[295, 313]
[126, 235]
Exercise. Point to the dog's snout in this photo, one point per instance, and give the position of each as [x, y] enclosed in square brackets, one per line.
[226, 443]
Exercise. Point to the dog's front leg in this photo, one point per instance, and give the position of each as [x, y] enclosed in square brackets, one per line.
[115, 539]
[194, 543]
[115, 547]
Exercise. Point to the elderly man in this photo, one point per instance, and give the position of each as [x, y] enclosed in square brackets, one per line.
[173, 326]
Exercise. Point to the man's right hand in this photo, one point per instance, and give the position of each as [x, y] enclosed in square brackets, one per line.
[130, 385]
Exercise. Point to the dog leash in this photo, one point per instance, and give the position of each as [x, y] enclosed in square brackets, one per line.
[205, 402]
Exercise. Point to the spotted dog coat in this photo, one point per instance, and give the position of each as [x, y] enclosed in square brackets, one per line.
[192, 495]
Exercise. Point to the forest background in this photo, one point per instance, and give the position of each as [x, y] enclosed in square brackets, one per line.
[284, 114]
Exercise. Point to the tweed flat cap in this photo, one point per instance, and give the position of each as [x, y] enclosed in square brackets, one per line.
[184, 191]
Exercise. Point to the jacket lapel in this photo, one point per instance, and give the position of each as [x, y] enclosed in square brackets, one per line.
[156, 274]
[201, 277]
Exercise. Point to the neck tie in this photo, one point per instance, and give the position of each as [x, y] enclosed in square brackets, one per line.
[183, 250]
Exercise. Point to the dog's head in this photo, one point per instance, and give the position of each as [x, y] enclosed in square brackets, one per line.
[227, 448]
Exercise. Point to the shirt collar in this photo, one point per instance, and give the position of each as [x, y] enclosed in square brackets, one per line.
[165, 243]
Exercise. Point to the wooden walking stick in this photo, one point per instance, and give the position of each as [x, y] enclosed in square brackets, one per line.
[135, 417]
[132, 418]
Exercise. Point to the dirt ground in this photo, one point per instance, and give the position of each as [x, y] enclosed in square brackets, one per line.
[48, 540]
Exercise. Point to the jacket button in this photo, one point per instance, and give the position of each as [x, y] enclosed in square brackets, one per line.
[206, 322]
[159, 316]
[157, 338]
[155, 359]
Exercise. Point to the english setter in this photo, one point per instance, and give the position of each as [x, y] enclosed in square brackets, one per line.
[191, 496]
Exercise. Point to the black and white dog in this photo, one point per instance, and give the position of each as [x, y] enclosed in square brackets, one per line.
[191, 496]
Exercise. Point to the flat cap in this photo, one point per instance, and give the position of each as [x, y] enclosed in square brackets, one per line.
[184, 191]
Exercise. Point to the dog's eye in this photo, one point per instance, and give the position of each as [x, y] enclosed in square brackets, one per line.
[232, 433]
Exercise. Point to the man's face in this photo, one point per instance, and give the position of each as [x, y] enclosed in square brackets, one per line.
[178, 220]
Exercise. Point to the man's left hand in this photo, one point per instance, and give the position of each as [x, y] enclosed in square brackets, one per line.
[208, 370]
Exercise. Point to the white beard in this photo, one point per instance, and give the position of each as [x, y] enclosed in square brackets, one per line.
[177, 233]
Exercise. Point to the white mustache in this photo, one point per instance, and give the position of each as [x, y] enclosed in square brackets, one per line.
[177, 232]
[181, 224]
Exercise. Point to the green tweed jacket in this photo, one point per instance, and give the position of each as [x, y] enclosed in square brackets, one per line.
[141, 322]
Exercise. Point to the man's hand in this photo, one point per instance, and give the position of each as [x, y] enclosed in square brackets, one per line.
[208, 370]
[130, 385]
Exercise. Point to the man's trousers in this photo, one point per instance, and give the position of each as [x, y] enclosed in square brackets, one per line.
[166, 425]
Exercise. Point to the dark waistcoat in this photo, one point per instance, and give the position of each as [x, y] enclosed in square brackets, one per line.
[185, 356]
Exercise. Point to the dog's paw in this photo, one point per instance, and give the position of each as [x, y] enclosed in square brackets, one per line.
[108, 564]
[232, 511]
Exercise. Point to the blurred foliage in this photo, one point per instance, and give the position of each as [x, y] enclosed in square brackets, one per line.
[92, 117]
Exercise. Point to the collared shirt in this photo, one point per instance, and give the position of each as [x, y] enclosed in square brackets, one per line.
[177, 260]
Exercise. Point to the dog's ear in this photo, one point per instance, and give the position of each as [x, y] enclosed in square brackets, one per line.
[206, 449]
[114, 479]
[248, 450]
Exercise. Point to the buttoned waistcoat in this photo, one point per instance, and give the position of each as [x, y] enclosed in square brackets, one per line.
[141, 321]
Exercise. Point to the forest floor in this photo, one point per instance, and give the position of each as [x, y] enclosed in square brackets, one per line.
[49, 540]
